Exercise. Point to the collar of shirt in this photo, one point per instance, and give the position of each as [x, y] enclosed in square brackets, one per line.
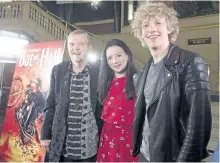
[85, 70]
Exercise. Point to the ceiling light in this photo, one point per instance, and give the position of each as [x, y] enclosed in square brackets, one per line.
[95, 4]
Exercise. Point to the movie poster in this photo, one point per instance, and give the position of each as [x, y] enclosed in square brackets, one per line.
[20, 137]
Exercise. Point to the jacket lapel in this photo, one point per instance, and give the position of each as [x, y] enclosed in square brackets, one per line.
[93, 72]
[140, 101]
[65, 90]
[140, 83]
[164, 78]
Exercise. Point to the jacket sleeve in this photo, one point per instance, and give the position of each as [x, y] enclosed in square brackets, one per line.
[197, 110]
[136, 80]
[49, 110]
[98, 114]
[135, 76]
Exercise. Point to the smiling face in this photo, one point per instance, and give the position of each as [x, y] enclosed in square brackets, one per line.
[117, 60]
[78, 47]
[155, 32]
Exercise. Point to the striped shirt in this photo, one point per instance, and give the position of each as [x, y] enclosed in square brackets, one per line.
[82, 132]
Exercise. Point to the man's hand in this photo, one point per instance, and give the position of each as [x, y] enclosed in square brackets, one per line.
[45, 144]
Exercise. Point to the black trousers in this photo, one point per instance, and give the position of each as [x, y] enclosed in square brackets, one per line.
[46, 158]
[65, 159]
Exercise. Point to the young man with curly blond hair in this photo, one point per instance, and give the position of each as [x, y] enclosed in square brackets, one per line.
[172, 110]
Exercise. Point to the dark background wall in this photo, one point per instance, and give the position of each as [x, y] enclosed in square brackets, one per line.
[85, 12]
[107, 28]
[81, 12]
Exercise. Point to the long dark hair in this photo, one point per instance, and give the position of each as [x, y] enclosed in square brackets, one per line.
[106, 74]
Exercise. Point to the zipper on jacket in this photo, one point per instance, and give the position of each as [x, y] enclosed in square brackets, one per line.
[184, 129]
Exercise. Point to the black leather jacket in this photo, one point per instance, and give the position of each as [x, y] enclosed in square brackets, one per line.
[179, 114]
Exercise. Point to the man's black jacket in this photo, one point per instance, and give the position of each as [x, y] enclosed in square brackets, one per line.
[56, 110]
[179, 114]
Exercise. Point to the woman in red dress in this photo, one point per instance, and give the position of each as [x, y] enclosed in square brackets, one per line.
[117, 94]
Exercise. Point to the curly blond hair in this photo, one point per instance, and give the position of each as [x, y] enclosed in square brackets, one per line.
[151, 10]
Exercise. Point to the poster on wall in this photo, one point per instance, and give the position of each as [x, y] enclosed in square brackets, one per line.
[20, 136]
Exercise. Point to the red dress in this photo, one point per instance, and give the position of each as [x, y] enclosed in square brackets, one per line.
[118, 116]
